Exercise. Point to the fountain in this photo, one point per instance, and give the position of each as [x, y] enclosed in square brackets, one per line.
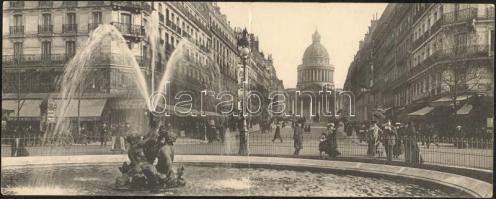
[76, 71]
[141, 173]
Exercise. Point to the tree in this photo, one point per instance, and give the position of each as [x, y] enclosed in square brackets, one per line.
[460, 74]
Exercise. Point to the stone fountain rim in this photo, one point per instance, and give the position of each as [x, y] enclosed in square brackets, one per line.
[474, 187]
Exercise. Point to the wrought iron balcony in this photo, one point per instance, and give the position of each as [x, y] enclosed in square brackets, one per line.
[34, 60]
[16, 4]
[96, 3]
[70, 4]
[129, 29]
[432, 30]
[16, 30]
[131, 6]
[452, 54]
[45, 29]
[465, 15]
[92, 26]
[45, 4]
[69, 28]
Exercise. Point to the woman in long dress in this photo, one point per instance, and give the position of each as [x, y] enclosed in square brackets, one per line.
[298, 138]
[332, 141]
[412, 152]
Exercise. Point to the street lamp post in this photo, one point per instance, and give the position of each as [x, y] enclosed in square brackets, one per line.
[244, 51]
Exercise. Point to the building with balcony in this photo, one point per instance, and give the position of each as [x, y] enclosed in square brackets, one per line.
[435, 66]
[41, 37]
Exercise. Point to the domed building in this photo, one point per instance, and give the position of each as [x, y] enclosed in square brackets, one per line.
[313, 74]
[315, 71]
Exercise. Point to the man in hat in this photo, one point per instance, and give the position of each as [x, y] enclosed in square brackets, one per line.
[332, 149]
[277, 134]
[298, 137]
[398, 147]
[389, 139]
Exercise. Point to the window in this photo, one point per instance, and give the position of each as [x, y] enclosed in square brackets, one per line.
[461, 40]
[491, 35]
[126, 22]
[167, 14]
[46, 50]
[71, 18]
[18, 51]
[18, 20]
[70, 49]
[46, 19]
[96, 17]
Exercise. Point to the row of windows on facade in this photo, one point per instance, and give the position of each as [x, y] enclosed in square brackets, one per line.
[46, 19]
[426, 23]
[46, 49]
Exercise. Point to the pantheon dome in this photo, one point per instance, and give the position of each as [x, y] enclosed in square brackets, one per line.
[315, 71]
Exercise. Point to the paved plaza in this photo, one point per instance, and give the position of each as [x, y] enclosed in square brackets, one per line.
[261, 144]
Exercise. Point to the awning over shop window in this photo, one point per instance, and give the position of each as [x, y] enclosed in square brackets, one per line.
[422, 111]
[30, 109]
[464, 110]
[446, 101]
[87, 108]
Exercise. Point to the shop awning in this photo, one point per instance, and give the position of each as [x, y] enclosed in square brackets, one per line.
[464, 110]
[422, 111]
[87, 108]
[446, 101]
[30, 109]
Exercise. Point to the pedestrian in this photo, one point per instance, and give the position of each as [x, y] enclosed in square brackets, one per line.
[15, 141]
[373, 138]
[104, 134]
[332, 142]
[298, 137]
[323, 145]
[120, 135]
[113, 134]
[412, 152]
[398, 147]
[460, 135]
[362, 133]
[83, 135]
[211, 131]
[222, 129]
[389, 139]
[277, 134]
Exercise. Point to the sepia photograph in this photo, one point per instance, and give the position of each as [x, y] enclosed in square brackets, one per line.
[247, 99]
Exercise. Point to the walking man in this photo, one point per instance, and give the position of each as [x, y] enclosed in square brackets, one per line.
[277, 134]
[298, 137]
[389, 139]
[113, 133]
[103, 134]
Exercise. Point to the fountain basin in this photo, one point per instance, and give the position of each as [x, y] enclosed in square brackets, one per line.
[260, 176]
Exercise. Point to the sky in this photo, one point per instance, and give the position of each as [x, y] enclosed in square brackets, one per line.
[285, 31]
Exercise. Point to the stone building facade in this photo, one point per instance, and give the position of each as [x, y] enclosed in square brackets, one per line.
[40, 37]
[429, 63]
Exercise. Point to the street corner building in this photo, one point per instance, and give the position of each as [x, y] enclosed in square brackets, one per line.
[427, 62]
[41, 37]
